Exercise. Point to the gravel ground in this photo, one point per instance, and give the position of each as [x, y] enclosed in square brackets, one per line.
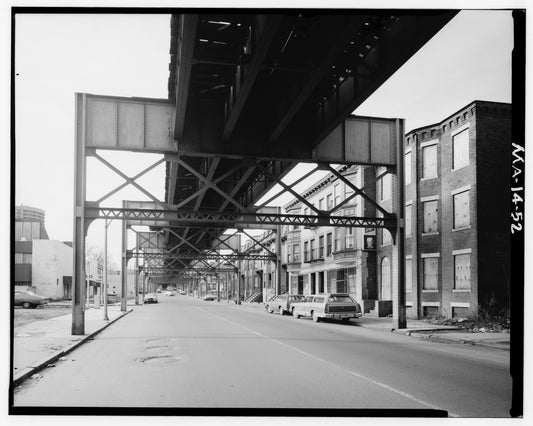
[24, 316]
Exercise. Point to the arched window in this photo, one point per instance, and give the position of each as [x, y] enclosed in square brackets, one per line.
[386, 288]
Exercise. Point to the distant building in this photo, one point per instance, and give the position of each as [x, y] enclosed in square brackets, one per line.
[29, 226]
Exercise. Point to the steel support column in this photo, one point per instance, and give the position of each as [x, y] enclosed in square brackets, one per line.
[398, 259]
[136, 282]
[80, 232]
[278, 256]
[124, 265]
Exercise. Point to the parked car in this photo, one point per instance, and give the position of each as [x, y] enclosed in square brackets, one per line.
[182, 292]
[113, 298]
[150, 298]
[28, 299]
[334, 306]
[283, 303]
[210, 298]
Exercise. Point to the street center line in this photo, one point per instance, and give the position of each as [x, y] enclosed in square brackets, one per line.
[361, 376]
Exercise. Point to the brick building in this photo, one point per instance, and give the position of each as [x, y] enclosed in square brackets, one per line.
[457, 214]
[456, 221]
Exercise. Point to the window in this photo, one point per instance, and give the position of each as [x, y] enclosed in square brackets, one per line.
[338, 239]
[431, 222]
[18, 258]
[461, 210]
[348, 239]
[460, 150]
[407, 168]
[321, 247]
[462, 271]
[408, 220]
[329, 243]
[431, 273]
[341, 281]
[329, 199]
[337, 194]
[385, 187]
[306, 251]
[313, 250]
[429, 161]
[348, 191]
[386, 237]
[408, 275]
[321, 204]
[296, 252]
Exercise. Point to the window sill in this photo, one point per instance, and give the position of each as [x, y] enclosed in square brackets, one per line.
[461, 229]
[460, 168]
[425, 234]
[461, 290]
[430, 291]
[428, 178]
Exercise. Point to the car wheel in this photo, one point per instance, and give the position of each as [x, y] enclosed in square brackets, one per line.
[346, 319]
[316, 318]
[280, 310]
[26, 305]
[295, 314]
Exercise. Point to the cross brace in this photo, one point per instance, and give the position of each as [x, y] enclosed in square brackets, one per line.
[232, 220]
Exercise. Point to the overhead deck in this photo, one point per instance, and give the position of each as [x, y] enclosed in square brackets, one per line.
[257, 93]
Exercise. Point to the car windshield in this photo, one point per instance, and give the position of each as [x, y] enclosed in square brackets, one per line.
[340, 299]
[295, 298]
[30, 293]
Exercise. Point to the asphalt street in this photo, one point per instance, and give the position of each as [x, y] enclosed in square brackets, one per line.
[184, 352]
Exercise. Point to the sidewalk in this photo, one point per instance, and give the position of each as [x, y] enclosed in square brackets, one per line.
[40, 343]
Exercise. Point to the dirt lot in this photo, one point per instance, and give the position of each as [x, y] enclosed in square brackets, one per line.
[25, 316]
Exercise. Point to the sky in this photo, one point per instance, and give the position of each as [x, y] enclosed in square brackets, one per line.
[128, 55]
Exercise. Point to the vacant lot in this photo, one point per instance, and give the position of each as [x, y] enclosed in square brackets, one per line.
[25, 316]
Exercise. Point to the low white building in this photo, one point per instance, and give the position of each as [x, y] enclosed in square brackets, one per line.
[51, 268]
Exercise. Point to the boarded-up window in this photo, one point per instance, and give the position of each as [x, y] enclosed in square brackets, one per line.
[461, 209]
[407, 168]
[462, 271]
[408, 274]
[460, 150]
[429, 161]
[431, 273]
[18, 258]
[431, 217]
[408, 221]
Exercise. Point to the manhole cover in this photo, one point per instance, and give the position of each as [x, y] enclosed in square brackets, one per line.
[160, 359]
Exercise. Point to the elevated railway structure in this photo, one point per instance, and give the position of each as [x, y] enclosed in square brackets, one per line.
[250, 96]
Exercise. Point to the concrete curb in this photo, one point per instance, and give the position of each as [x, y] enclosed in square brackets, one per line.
[22, 375]
[438, 338]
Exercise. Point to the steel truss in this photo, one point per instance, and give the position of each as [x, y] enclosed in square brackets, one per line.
[232, 220]
[239, 187]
